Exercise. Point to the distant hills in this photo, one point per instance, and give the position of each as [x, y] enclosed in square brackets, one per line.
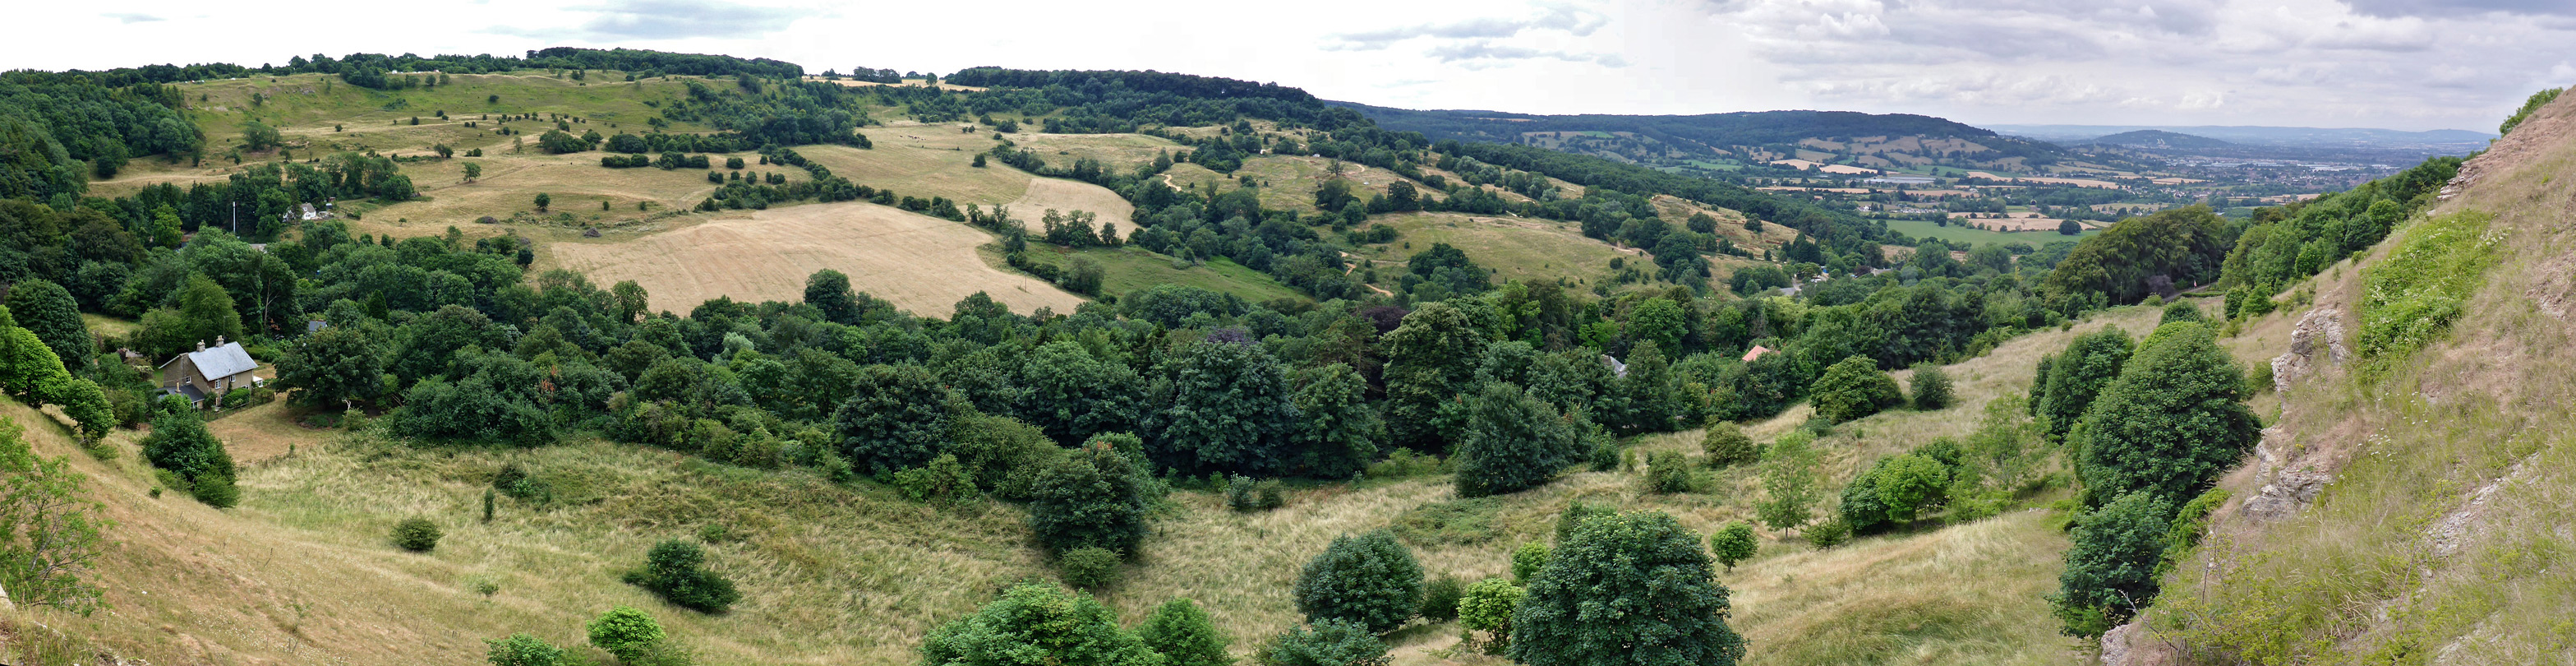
[2160, 139]
[2311, 137]
[1727, 140]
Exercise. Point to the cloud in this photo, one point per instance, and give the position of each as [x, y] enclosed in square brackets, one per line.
[2439, 8]
[670, 19]
[1483, 52]
[1576, 21]
[131, 18]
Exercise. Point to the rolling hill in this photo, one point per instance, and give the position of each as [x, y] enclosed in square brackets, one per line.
[1723, 141]
[2158, 139]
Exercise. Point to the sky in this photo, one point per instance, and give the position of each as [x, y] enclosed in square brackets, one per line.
[2397, 64]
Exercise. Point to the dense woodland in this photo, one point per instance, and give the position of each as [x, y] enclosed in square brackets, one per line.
[1087, 415]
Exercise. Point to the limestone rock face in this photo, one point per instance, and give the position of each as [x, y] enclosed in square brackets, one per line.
[2316, 343]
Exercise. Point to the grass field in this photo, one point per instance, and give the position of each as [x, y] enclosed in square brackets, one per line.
[1922, 229]
[921, 263]
[1131, 268]
[1517, 248]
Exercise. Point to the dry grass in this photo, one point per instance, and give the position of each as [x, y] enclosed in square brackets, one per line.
[921, 263]
[1518, 248]
[2443, 537]
[1069, 195]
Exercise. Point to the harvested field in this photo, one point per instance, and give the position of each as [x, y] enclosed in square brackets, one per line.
[922, 264]
[2015, 222]
[1069, 196]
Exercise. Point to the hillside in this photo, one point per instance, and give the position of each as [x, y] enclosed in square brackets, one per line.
[1724, 141]
[2405, 505]
[2159, 139]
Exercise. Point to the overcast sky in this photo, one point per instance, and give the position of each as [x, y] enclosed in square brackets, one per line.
[2402, 64]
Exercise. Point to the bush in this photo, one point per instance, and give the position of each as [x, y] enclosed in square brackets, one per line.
[1090, 569]
[1527, 560]
[1895, 490]
[1325, 643]
[416, 535]
[216, 490]
[1037, 624]
[1643, 560]
[1733, 543]
[1184, 635]
[1575, 515]
[523, 650]
[674, 570]
[1092, 497]
[1931, 387]
[1440, 599]
[1726, 446]
[1668, 472]
[1852, 389]
[1830, 533]
[1513, 442]
[1244, 494]
[1488, 606]
[625, 632]
[2111, 567]
[1370, 579]
[944, 481]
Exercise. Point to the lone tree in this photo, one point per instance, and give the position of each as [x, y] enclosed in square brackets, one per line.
[625, 632]
[1852, 389]
[1734, 543]
[2111, 567]
[1093, 497]
[543, 200]
[1369, 579]
[1038, 624]
[1628, 589]
[676, 570]
[49, 528]
[1726, 446]
[2172, 422]
[1931, 387]
[1513, 442]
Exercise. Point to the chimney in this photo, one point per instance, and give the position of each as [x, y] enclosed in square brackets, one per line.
[219, 341]
[201, 345]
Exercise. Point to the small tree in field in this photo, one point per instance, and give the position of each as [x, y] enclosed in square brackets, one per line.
[625, 632]
[1369, 579]
[1488, 606]
[1852, 389]
[523, 650]
[544, 200]
[1931, 387]
[1184, 635]
[1038, 624]
[473, 171]
[1733, 543]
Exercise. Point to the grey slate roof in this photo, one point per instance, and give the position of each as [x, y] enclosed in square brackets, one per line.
[224, 361]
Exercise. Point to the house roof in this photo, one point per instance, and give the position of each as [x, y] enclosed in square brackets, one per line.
[1756, 352]
[223, 361]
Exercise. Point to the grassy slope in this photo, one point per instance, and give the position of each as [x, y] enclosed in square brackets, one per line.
[2443, 537]
[1131, 268]
[1955, 233]
[831, 575]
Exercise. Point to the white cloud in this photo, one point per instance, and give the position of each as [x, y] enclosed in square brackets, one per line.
[2408, 63]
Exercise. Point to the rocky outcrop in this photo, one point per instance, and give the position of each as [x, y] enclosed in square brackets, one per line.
[2130, 645]
[2317, 343]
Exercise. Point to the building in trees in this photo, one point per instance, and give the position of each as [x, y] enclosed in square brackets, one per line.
[205, 375]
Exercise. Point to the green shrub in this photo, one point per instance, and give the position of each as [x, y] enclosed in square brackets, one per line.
[1931, 387]
[1669, 472]
[1440, 598]
[1513, 442]
[1090, 569]
[1789, 478]
[625, 632]
[416, 535]
[1642, 560]
[1038, 624]
[1527, 560]
[1733, 543]
[2529, 106]
[1325, 643]
[2188, 525]
[674, 569]
[1403, 464]
[1452, 523]
[1369, 579]
[1851, 389]
[1726, 446]
[1895, 490]
[2111, 567]
[1488, 606]
[942, 482]
[523, 650]
[1184, 635]
[1575, 515]
[1092, 497]
[216, 490]
[1830, 533]
[1244, 494]
[2411, 297]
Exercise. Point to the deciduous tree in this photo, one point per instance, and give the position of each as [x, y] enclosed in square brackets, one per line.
[1628, 589]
